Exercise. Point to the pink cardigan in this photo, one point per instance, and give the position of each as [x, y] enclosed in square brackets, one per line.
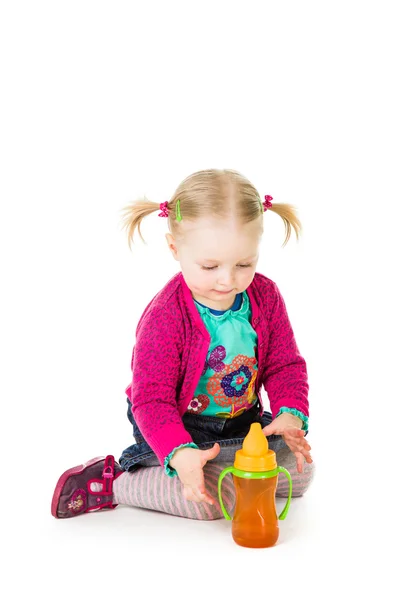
[172, 345]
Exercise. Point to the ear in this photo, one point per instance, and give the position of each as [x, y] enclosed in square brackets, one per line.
[172, 245]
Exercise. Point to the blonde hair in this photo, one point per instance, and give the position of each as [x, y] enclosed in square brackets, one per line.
[216, 192]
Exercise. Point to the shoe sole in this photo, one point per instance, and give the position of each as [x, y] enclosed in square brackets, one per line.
[61, 482]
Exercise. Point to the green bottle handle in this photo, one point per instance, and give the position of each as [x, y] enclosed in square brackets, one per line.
[265, 475]
[221, 476]
[284, 513]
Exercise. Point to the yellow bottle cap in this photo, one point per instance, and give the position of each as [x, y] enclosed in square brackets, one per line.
[255, 455]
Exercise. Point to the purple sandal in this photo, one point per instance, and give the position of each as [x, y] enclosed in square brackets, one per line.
[73, 495]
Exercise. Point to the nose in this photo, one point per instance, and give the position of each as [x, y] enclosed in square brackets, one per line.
[226, 280]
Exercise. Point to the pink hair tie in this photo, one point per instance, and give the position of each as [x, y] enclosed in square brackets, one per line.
[164, 209]
[267, 203]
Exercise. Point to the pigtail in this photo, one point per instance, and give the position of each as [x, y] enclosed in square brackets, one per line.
[214, 192]
[133, 215]
[287, 212]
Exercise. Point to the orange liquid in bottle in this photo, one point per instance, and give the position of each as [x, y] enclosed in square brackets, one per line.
[255, 522]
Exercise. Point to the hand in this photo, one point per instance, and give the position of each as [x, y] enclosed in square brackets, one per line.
[289, 427]
[189, 463]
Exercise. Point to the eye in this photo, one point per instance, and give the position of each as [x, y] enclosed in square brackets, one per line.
[212, 268]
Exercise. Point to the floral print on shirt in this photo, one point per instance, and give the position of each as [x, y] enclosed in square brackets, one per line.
[231, 385]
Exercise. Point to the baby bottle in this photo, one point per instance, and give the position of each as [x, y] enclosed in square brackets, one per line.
[255, 475]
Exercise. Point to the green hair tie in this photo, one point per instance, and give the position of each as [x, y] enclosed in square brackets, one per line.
[178, 211]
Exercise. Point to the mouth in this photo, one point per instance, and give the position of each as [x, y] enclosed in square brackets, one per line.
[224, 293]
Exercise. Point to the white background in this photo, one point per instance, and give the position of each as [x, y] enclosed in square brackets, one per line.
[103, 102]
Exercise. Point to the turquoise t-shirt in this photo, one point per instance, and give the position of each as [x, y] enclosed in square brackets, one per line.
[226, 386]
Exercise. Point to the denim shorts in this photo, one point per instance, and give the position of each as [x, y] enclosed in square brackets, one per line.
[205, 431]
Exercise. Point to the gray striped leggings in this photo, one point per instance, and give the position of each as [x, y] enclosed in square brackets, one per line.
[150, 488]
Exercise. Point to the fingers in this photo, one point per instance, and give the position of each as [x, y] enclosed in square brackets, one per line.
[296, 438]
[300, 458]
[269, 430]
[211, 453]
[195, 489]
[294, 432]
[196, 495]
[202, 494]
[299, 446]
[301, 451]
[299, 461]
[190, 472]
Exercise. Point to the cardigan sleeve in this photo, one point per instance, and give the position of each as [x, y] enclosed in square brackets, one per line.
[285, 375]
[156, 364]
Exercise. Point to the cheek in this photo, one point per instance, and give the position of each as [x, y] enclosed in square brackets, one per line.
[246, 277]
[198, 279]
[204, 280]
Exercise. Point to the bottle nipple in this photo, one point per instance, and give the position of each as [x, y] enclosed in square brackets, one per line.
[255, 443]
[255, 454]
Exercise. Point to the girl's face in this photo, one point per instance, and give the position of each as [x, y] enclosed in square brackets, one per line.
[218, 259]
